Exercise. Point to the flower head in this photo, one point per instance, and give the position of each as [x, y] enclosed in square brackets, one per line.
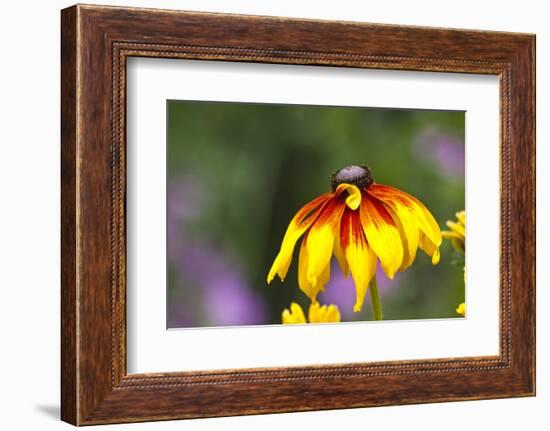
[457, 236]
[457, 232]
[317, 314]
[360, 222]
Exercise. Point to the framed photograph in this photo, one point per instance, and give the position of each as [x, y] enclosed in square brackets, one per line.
[264, 214]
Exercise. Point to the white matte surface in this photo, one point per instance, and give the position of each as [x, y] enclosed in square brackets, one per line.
[152, 348]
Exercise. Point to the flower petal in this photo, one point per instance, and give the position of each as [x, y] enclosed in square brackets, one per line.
[301, 222]
[457, 232]
[354, 195]
[361, 259]
[382, 234]
[310, 289]
[458, 228]
[333, 313]
[320, 239]
[450, 235]
[429, 248]
[424, 219]
[340, 256]
[314, 314]
[408, 230]
[353, 201]
[294, 315]
[323, 314]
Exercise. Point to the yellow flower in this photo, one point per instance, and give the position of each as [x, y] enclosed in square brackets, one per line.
[457, 232]
[457, 236]
[294, 315]
[324, 313]
[359, 222]
[317, 314]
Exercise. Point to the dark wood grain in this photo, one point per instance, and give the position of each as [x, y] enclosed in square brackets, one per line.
[96, 41]
[68, 218]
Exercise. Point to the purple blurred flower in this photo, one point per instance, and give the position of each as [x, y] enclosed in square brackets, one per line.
[178, 316]
[231, 302]
[210, 288]
[226, 299]
[184, 202]
[341, 290]
[445, 151]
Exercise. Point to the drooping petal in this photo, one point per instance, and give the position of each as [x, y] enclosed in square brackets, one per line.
[361, 259]
[320, 239]
[429, 248]
[293, 316]
[408, 230]
[301, 222]
[310, 289]
[340, 256]
[415, 219]
[382, 234]
[423, 217]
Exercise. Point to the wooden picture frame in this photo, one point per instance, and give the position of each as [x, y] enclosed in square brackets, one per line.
[95, 43]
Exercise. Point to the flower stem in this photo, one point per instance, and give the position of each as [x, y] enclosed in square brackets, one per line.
[375, 299]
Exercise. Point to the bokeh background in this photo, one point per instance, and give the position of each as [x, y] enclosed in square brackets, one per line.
[237, 174]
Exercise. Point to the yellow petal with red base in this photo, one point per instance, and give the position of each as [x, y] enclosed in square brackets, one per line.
[301, 222]
[340, 256]
[423, 219]
[321, 236]
[382, 234]
[359, 256]
[320, 240]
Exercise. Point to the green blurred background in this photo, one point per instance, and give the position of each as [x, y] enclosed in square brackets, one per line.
[237, 174]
